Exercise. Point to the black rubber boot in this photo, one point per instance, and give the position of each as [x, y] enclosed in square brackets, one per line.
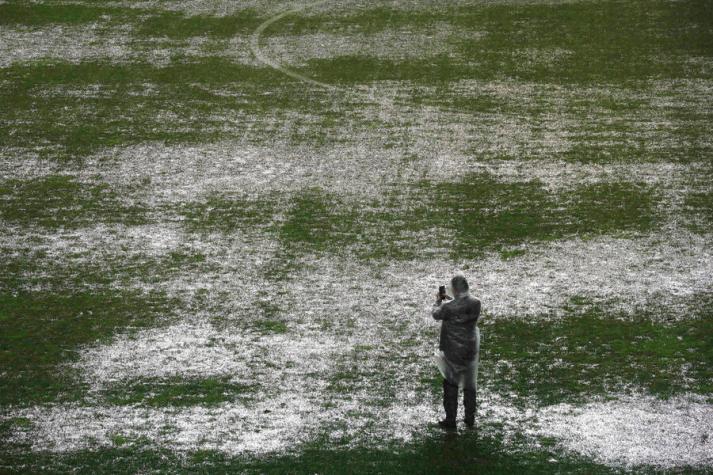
[450, 404]
[469, 405]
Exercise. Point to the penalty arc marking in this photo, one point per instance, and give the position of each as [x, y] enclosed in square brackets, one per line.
[261, 56]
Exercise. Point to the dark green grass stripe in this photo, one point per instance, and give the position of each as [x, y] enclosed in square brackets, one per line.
[31, 267]
[60, 201]
[478, 211]
[436, 453]
[38, 14]
[205, 70]
[179, 111]
[178, 26]
[698, 207]
[180, 392]
[40, 330]
[601, 352]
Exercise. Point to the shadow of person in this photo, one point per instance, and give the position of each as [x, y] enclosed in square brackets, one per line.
[454, 450]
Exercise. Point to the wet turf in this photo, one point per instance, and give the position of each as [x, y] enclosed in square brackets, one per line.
[481, 213]
[35, 342]
[58, 201]
[593, 84]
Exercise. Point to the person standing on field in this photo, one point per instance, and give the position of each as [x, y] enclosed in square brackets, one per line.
[459, 349]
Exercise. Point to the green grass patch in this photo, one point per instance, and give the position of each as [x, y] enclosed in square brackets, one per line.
[189, 103]
[478, 211]
[437, 453]
[512, 253]
[179, 392]
[41, 330]
[476, 103]
[118, 440]
[698, 206]
[602, 41]
[608, 208]
[181, 259]
[360, 69]
[318, 220]
[484, 214]
[38, 14]
[345, 381]
[178, 26]
[270, 326]
[370, 371]
[60, 201]
[597, 353]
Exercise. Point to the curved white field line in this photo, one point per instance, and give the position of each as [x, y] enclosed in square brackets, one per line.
[261, 56]
[255, 46]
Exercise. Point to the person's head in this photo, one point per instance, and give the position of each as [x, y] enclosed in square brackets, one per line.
[459, 285]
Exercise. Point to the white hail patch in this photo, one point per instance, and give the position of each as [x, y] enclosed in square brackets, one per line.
[532, 57]
[277, 424]
[634, 431]
[439, 143]
[377, 305]
[352, 296]
[72, 44]
[96, 244]
[186, 173]
[116, 45]
[230, 428]
[292, 404]
[98, 41]
[198, 349]
[623, 275]
[624, 432]
[395, 44]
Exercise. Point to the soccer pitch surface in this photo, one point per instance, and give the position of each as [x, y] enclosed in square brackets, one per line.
[224, 222]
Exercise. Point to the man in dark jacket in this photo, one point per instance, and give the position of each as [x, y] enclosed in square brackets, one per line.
[459, 343]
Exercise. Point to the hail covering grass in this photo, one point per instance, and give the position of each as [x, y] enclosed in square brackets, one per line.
[333, 316]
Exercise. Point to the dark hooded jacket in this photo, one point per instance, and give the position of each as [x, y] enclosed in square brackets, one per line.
[458, 337]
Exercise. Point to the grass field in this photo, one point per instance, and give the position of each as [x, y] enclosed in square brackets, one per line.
[213, 264]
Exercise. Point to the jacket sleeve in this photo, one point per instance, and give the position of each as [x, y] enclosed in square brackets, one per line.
[472, 315]
[439, 311]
